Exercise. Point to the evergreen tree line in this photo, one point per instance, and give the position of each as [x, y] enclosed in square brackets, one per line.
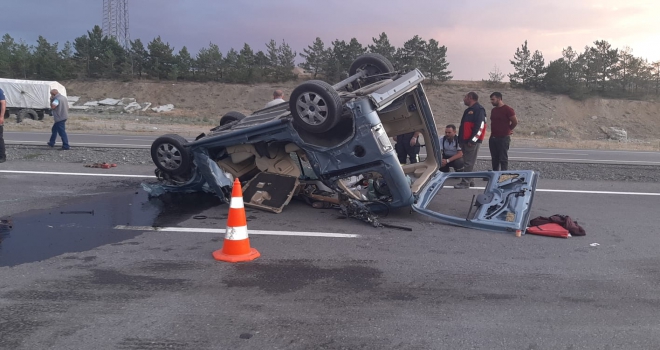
[597, 70]
[96, 56]
[330, 62]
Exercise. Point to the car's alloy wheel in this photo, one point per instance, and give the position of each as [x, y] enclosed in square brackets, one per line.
[315, 106]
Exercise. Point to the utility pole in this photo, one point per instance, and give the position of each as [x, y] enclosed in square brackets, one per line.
[115, 21]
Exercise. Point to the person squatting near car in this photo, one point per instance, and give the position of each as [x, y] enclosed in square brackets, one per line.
[502, 122]
[407, 146]
[471, 134]
[452, 155]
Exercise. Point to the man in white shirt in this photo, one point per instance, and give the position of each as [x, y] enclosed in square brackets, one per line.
[452, 155]
[278, 97]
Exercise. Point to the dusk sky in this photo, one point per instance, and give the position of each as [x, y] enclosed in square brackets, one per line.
[478, 33]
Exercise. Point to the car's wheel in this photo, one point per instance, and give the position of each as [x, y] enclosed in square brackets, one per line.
[231, 117]
[40, 115]
[26, 113]
[316, 107]
[170, 155]
[376, 66]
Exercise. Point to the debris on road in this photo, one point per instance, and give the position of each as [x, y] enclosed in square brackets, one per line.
[101, 165]
[5, 225]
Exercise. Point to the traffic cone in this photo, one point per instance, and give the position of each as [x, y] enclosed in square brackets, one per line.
[236, 247]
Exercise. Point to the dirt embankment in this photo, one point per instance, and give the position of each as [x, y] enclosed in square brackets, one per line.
[541, 115]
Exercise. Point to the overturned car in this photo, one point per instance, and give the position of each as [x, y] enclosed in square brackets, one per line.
[330, 144]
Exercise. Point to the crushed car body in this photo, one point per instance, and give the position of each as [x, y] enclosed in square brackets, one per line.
[331, 146]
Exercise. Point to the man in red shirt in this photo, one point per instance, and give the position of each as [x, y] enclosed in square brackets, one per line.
[502, 120]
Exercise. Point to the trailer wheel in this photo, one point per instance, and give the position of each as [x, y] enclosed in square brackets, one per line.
[170, 155]
[26, 113]
[40, 115]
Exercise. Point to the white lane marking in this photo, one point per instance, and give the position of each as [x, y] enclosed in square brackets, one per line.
[73, 174]
[586, 150]
[68, 133]
[645, 162]
[223, 231]
[551, 153]
[83, 144]
[446, 186]
[577, 191]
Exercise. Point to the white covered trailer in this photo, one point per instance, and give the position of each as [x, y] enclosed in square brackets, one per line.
[28, 98]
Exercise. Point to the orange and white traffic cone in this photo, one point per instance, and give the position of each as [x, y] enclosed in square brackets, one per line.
[236, 247]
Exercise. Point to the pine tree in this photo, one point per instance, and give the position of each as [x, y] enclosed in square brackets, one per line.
[382, 46]
[605, 59]
[435, 64]
[537, 65]
[67, 63]
[231, 66]
[217, 63]
[184, 63]
[6, 47]
[161, 58]
[245, 65]
[556, 77]
[139, 57]
[522, 67]
[413, 54]
[335, 63]
[656, 76]
[287, 62]
[46, 61]
[315, 57]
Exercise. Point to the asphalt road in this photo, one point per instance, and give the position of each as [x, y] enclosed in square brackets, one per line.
[520, 154]
[71, 281]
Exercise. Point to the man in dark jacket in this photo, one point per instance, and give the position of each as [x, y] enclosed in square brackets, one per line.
[471, 134]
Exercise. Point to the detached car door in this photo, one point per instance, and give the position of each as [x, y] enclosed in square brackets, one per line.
[504, 206]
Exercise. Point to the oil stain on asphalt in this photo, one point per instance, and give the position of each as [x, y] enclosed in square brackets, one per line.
[78, 226]
[84, 224]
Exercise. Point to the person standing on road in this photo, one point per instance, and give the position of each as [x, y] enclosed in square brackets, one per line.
[3, 108]
[60, 107]
[278, 97]
[471, 134]
[407, 146]
[452, 155]
[502, 122]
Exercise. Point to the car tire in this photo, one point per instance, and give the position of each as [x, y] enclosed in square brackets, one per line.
[375, 64]
[26, 113]
[230, 117]
[41, 115]
[170, 154]
[315, 106]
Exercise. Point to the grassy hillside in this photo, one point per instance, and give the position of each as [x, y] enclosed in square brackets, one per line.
[544, 115]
